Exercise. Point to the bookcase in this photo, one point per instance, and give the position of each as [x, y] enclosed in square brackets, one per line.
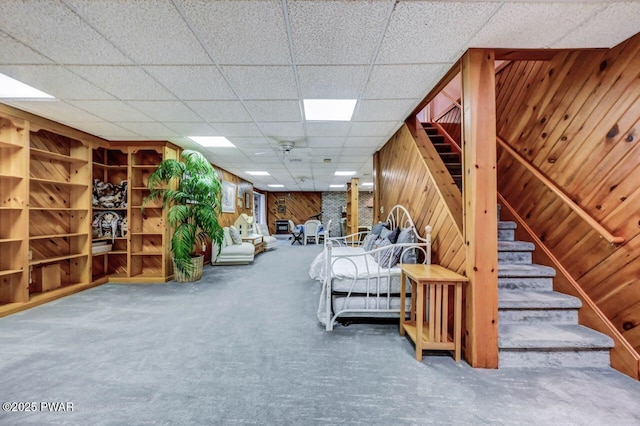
[51, 212]
[14, 219]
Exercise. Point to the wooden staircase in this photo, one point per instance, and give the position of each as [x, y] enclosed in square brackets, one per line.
[451, 158]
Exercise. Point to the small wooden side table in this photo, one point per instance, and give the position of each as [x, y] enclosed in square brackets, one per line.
[257, 241]
[432, 282]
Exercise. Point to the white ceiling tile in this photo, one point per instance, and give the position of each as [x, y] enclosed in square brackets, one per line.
[252, 143]
[324, 129]
[272, 82]
[325, 142]
[237, 129]
[150, 130]
[282, 130]
[332, 82]
[55, 110]
[274, 110]
[532, 25]
[103, 129]
[111, 110]
[55, 80]
[364, 142]
[61, 35]
[192, 82]
[384, 110]
[240, 32]
[403, 81]
[14, 52]
[332, 32]
[433, 31]
[607, 28]
[166, 111]
[220, 111]
[192, 129]
[148, 31]
[124, 82]
[374, 128]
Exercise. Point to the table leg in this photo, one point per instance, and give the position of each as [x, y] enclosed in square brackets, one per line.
[457, 321]
[403, 296]
[419, 319]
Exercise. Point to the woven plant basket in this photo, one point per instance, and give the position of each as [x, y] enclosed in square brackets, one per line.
[198, 263]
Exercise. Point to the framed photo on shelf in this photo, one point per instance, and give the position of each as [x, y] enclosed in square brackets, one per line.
[228, 197]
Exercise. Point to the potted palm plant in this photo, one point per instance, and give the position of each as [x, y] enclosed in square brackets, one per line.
[194, 206]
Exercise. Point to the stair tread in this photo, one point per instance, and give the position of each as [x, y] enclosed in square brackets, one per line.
[527, 299]
[551, 336]
[515, 246]
[505, 224]
[520, 270]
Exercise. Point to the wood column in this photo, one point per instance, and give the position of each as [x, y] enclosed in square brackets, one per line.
[479, 205]
[376, 187]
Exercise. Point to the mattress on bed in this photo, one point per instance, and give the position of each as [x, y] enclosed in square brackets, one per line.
[316, 270]
[373, 286]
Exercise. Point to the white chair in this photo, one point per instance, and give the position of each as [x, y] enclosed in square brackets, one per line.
[324, 234]
[311, 228]
[269, 241]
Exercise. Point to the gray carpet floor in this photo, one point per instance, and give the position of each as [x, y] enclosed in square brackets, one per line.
[243, 346]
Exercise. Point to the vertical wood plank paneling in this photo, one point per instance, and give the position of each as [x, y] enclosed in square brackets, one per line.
[298, 206]
[480, 212]
[575, 129]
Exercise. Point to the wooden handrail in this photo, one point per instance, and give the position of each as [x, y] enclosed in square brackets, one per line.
[446, 135]
[564, 197]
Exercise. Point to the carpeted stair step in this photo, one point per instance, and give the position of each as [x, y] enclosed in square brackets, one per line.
[552, 345]
[454, 168]
[506, 230]
[537, 307]
[516, 276]
[515, 251]
[450, 157]
[431, 131]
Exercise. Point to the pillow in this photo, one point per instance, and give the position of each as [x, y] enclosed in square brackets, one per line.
[384, 258]
[406, 236]
[393, 235]
[368, 242]
[377, 228]
[226, 240]
[235, 235]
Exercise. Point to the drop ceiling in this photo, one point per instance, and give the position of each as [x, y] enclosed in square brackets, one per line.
[168, 69]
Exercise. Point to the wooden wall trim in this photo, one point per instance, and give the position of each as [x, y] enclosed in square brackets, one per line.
[479, 204]
[624, 357]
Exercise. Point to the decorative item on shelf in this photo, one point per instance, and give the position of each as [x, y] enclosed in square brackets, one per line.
[108, 195]
[193, 208]
[247, 200]
[244, 224]
[228, 195]
[108, 224]
[98, 247]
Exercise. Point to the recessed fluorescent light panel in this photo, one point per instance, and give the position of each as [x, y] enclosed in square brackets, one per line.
[328, 109]
[275, 185]
[258, 173]
[212, 141]
[14, 89]
[345, 173]
[336, 186]
[367, 184]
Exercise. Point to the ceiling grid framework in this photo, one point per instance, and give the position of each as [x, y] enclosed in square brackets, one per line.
[168, 69]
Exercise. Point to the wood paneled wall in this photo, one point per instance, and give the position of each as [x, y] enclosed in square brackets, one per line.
[242, 186]
[406, 180]
[451, 122]
[576, 118]
[298, 206]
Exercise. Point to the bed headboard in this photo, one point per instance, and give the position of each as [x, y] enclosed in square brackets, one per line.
[399, 217]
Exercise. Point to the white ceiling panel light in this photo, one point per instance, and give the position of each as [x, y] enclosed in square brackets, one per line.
[329, 109]
[212, 141]
[14, 89]
[336, 186]
[275, 185]
[367, 184]
[258, 173]
[345, 173]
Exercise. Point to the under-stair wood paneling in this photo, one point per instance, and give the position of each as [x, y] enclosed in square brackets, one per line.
[414, 179]
[576, 118]
[297, 206]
